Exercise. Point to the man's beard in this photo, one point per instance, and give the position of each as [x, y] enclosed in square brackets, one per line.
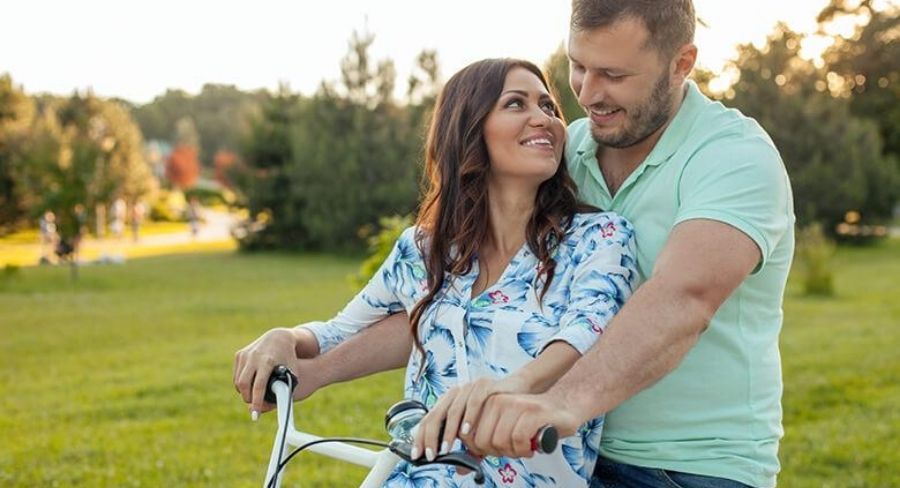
[643, 120]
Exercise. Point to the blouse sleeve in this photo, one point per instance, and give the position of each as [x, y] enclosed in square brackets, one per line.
[605, 276]
[383, 295]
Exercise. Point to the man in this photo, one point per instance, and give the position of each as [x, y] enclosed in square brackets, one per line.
[688, 372]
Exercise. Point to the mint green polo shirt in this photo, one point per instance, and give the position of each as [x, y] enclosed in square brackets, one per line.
[719, 412]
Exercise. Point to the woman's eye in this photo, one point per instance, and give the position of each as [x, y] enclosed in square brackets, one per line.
[549, 107]
[514, 103]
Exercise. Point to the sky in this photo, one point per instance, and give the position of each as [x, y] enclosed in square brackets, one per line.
[137, 49]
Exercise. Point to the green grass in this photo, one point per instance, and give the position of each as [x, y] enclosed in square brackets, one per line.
[124, 378]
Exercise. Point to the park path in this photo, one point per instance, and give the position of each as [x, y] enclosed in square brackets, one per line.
[214, 233]
[216, 227]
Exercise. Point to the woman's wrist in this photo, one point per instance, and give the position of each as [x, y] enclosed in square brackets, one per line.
[521, 381]
[306, 346]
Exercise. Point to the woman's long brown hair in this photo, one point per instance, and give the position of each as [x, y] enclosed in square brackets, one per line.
[453, 219]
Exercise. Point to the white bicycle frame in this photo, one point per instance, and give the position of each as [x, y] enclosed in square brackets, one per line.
[287, 436]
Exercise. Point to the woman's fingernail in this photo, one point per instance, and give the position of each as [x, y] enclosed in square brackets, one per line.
[465, 428]
[414, 454]
[254, 415]
[429, 454]
[444, 447]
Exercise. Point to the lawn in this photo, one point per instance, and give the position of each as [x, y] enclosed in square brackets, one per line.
[124, 378]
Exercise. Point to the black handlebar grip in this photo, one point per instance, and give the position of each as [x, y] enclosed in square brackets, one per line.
[545, 440]
[280, 373]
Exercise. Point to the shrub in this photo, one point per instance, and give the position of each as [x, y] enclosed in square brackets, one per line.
[815, 251]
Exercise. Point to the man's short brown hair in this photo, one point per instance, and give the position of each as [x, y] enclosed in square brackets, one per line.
[670, 22]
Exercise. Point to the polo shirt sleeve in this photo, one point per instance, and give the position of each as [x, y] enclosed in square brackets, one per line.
[605, 276]
[741, 181]
[378, 299]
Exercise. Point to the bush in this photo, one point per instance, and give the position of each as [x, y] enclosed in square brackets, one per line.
[168, 207]
[380, 246]
[815, 251]
[210, 194]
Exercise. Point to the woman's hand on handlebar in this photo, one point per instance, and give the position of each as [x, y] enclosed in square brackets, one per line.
[254, 363]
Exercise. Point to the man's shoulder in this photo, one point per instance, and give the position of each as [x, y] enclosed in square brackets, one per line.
[719, 126]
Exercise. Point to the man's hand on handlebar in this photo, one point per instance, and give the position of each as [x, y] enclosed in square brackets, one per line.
[508, 423]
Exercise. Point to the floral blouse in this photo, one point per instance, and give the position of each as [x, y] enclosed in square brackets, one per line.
[499, 331]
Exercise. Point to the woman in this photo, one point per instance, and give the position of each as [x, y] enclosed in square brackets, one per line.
[504, 276]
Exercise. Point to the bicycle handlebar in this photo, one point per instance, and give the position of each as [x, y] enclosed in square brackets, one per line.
[280, 373]
[544, 441]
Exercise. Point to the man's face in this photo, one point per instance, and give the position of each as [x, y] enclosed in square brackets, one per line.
[622, 82]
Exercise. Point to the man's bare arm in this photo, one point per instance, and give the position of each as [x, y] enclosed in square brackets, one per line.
[702, 263]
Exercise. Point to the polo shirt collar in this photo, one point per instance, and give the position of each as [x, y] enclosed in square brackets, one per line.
[681, 124]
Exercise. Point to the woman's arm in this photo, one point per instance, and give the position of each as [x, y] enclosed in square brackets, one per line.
[304, 348]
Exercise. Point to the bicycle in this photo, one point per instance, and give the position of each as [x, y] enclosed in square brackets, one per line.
[400, 421]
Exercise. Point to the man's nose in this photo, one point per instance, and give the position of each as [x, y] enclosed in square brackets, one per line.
[593, 90]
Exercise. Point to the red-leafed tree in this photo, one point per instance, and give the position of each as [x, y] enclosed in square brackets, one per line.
[182, 167]
[224, 162]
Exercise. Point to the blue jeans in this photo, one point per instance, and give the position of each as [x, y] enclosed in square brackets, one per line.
[609, 474]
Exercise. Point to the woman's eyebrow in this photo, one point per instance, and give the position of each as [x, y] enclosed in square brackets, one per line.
[525, 93]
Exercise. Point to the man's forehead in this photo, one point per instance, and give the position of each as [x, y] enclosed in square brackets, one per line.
[629, 33]
[619, 45]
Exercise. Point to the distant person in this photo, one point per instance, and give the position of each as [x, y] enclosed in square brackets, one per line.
[138, 214]
[505, 275]
[193, 214]
[68, 246]
[118, 211]
[48, 236]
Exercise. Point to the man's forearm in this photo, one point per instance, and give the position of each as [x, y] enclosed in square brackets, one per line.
[548, 367]
[381, 347]
[645, 341]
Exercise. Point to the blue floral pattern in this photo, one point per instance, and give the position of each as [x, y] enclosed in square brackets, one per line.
[499, 331]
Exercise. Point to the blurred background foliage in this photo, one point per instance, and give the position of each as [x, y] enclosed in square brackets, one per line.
[317, 172]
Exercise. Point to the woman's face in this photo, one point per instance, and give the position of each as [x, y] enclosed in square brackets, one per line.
[524, 137]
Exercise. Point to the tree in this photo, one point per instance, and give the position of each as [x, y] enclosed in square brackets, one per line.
[557, 68]
[321, 170]
[265, 181]
[224, 164]
[82, 153]
[834, 159]
[183, 167]
[865, 67]
[16, 117]
[219, 115]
